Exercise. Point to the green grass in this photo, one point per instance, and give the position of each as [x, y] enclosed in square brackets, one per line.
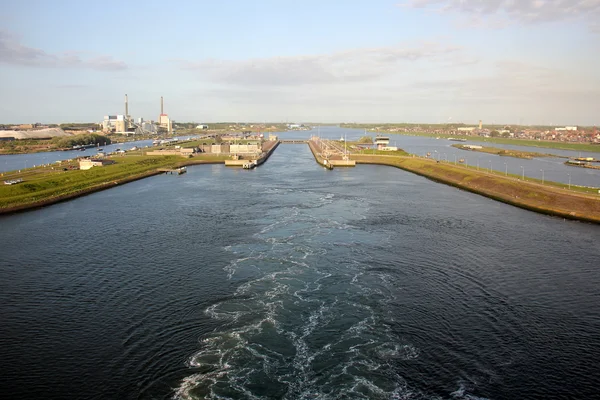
[594, 148]
[549, 198]
[399, 152]
[42, 184]
[506, 152]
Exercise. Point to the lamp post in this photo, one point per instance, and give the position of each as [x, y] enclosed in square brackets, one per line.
[455, 159]
[569, 180]
[477, 163]
[542, 176]
[490, 166]
[505, 169]
[522, 172]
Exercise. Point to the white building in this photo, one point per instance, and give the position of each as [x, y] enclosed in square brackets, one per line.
[165, 122]
[115, 123]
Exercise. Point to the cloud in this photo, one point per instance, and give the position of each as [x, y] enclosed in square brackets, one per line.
[357, 65]
[523, 11]
[13, 52]
[511, 81]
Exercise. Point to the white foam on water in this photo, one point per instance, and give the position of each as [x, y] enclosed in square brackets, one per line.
[461, 393]
[277, 325]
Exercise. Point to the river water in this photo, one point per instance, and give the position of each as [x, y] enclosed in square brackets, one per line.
[294, 282]
[548, 168]
[13, 162]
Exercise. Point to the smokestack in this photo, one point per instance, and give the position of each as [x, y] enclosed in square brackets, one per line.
[126, 106]
[161, 105]
[480, 124]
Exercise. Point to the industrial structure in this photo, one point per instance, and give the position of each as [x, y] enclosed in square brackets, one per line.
[163, 119]
[125, 123]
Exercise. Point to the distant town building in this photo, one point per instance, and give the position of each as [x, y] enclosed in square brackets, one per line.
[202, 126]
[466, 129]
[566, 128]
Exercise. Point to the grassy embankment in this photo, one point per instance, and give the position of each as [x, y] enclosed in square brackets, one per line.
[518, 142]
[507, 152]
[593, 148]
[550, 198]
[25, 146]
[47, 185]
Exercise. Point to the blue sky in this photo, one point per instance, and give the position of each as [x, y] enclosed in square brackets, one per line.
[502, 61]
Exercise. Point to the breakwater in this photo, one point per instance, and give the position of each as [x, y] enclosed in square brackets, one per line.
[335, 157]
[269, 148]
[527, 195]
[96, 188]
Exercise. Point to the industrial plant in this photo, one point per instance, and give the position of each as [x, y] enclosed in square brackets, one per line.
[125, 123]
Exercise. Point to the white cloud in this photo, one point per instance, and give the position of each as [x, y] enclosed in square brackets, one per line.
[523, 11]
[357, 65]
[13, 52]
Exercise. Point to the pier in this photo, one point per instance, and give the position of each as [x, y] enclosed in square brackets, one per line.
[329, 154]
[293, 141]
[254, 160]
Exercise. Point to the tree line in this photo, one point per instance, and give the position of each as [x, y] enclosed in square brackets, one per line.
[81, 140]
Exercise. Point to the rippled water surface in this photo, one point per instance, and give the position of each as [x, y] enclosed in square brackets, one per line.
[294, 282]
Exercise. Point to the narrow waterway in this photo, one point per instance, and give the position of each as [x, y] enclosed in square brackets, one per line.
[548, 168]
[294, 282]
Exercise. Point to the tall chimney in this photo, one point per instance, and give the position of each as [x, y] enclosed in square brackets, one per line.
[161, 105]
[480, 124]
[126, 106]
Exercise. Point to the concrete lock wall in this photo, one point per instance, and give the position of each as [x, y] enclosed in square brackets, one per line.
[244, 148]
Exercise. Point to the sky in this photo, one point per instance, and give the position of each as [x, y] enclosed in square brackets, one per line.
[420, 61]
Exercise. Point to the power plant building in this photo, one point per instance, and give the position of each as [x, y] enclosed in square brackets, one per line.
[163, 119]
[115, 123]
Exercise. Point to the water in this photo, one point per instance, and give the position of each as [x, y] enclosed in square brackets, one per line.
[13, 162]
[551, 169]
[293, 282]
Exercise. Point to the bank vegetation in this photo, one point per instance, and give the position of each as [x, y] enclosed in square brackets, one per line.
[552, 199]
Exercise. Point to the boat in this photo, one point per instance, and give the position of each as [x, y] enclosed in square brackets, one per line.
[457, 139]
[462, 160]
[585, 159]
[181, 170]
[13, 181]
[100, 149]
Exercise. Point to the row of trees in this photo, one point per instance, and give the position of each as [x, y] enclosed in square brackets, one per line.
[81, 140]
